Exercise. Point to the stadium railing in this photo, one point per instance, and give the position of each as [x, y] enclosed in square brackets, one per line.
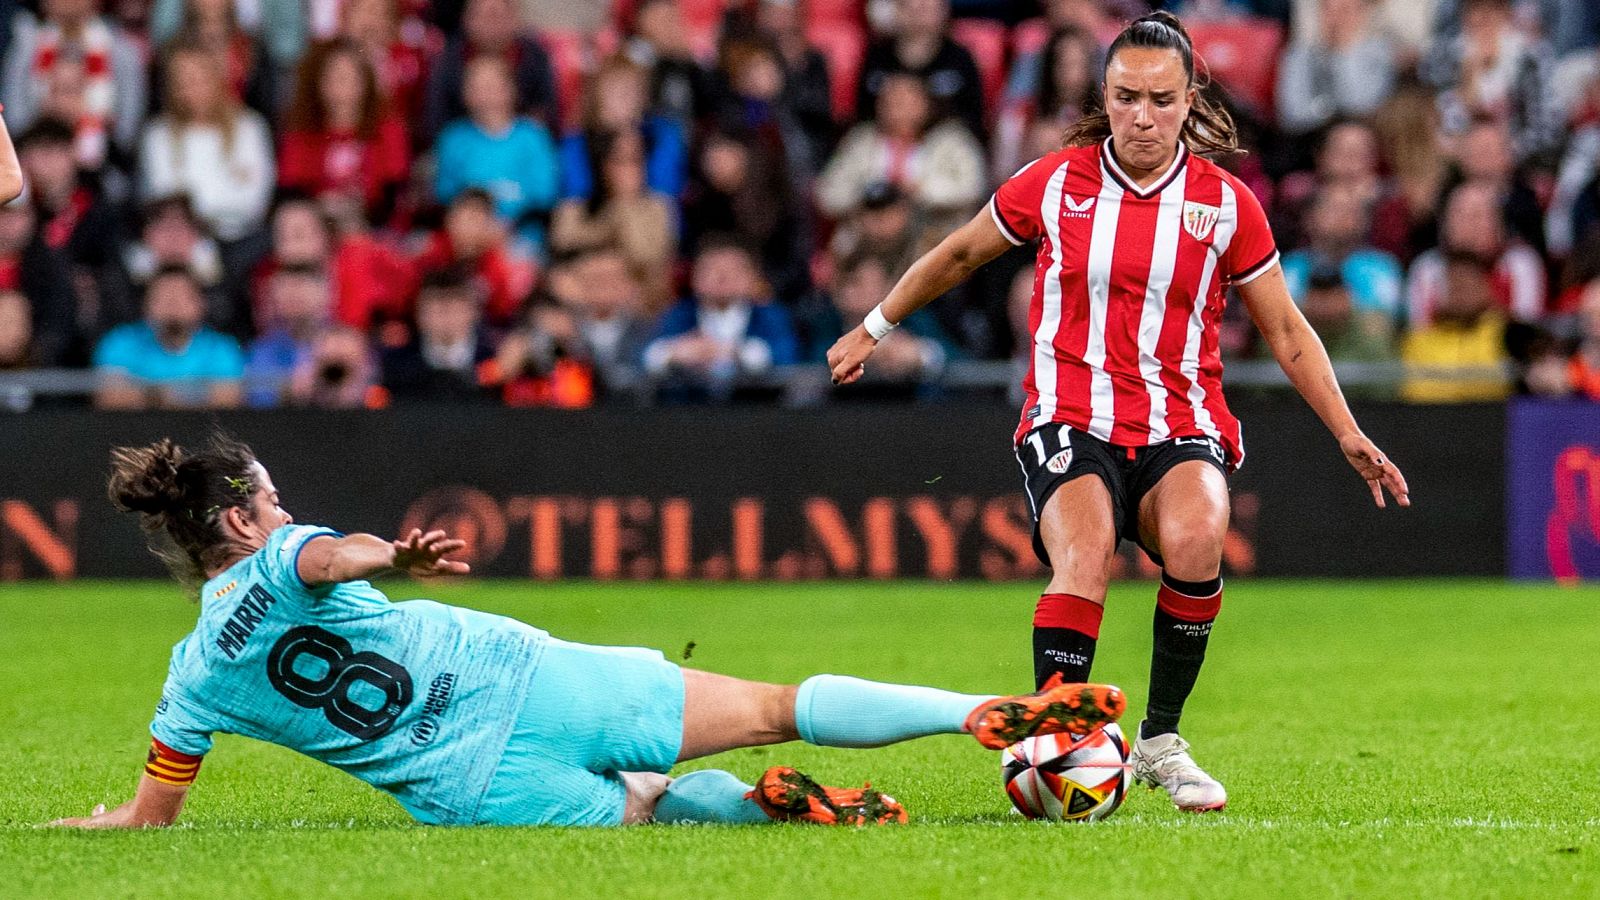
[808, 384]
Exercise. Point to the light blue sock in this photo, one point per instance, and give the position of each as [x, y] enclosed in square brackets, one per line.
[839, 711]
[709, 796]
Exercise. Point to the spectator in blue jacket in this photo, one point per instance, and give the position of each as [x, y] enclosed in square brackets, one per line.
[299, 310]
[510, 156]
[727, 329]
[618, 99]
[171, 359]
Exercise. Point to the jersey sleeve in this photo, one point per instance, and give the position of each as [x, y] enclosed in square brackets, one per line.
[1253, 250]
[1016, 205]
[180, 725]
[281, 556]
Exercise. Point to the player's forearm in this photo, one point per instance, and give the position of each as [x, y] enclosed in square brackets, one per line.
[1303, 358]
[357, 557]
[927, 279]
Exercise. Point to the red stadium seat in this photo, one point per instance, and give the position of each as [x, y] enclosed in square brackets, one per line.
[698, 15]
[985, 39]
[846, 12]
[1242, 55]
[1029, 37]
[572, 58]
[844, 45]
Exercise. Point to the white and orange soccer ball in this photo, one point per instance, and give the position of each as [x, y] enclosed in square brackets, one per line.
[1068, 778]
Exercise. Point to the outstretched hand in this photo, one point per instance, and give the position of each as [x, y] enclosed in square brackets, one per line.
[97, 819]
[847, 358]
[423, 555]
[1377, 470]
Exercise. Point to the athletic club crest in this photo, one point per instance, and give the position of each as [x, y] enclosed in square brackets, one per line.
[1198, 218]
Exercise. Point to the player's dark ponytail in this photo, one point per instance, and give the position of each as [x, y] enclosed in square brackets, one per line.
[180, 496]
[1209, 128]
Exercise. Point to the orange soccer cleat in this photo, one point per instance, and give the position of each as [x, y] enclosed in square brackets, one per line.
[791, 796]
[1075, 708]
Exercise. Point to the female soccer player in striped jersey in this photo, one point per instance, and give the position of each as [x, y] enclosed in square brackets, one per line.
[470, 718]
[1124, 432]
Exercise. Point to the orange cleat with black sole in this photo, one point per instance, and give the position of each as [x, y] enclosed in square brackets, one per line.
[1058, 707]
[791, 796]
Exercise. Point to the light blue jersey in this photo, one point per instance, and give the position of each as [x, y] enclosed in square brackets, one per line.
[416, 698]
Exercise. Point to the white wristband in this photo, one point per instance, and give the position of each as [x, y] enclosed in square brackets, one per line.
[877, 324]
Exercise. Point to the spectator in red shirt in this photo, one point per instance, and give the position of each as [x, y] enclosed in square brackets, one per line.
[340, 140]
[398, 56]
[473, 239]
[372, 283]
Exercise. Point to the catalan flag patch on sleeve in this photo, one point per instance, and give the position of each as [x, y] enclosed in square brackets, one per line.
[168, 766]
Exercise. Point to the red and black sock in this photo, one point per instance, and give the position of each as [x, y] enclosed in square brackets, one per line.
[1184, 613]
[1065, 628]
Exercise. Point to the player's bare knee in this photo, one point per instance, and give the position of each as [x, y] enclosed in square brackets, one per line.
[1192, 550]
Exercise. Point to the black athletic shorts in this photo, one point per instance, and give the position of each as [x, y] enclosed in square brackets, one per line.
[1052, 455]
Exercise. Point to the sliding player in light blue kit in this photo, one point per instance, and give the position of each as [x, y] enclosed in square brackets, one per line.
[469, 718]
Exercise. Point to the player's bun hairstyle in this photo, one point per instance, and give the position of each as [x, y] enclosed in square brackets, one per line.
[1209, 129]
[180, 497]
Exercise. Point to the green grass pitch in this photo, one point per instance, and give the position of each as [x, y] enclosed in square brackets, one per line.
[1384, 739]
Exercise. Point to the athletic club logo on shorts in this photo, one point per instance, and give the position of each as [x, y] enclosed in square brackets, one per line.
[1059, 463]
[1198, 218]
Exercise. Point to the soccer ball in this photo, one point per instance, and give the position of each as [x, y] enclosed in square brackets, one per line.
[1066, 777]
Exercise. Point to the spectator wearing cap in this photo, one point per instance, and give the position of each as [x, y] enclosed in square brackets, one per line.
[1459, 355]
[445, 361]
[511, 157]
[622, 212]
[725, 330]
[1350, 333]
[489, 28]
[1337, 228]
[939, 165]
[342, 145]
[77, 223]
[886, 225]
[171, 359]
[1347, 70]
[921, 47]
[71, 61]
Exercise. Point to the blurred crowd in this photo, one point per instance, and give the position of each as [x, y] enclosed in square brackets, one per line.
[353, 203]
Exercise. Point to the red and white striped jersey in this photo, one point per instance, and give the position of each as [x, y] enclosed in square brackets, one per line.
[1128, 293]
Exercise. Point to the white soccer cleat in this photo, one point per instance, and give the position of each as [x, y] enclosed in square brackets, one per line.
[1164, 761]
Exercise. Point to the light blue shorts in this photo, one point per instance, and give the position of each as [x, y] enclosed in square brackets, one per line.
[591, 713]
